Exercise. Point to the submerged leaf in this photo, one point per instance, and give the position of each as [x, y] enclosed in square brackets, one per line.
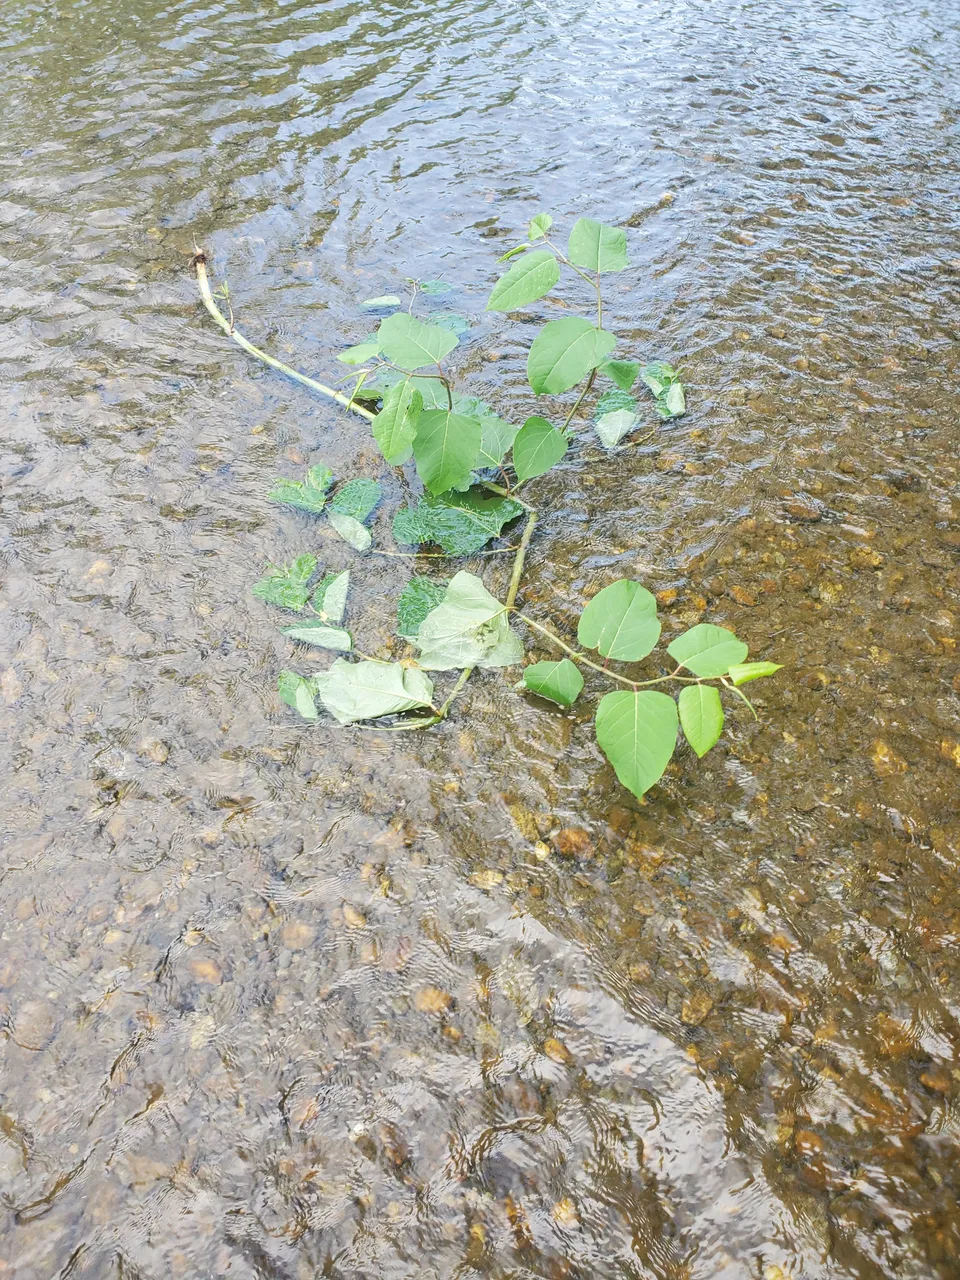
[433, 288]
[446, 448]
[612, 427]
[417, 599]
[288, 585]
[620, 622]
[701, 716]
[297, 693]
[318, 633]
[451, 320]
[537, 447]
[664, 381]
[622, 372]
[386, 300]
[353, 691]
[707, 650]
[561, 682]
[597, 247]
[351, 530]
[563, 352]
[310, 494]
[637, 732]
[357, 498]
[658, 376]
[411, 344]
[744, 672]
[673, 403]
[469, 628]
[459, 523]
[532, 277]
[330, 596]
[614, 402]
[395, 425]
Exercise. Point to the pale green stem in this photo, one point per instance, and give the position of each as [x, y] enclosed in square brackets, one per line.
[514, 586]
[577, 656]
[200, 264]
[566, 261]
[580, 399]
[740, 694]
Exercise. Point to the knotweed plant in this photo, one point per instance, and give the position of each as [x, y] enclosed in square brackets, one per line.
[475, 468]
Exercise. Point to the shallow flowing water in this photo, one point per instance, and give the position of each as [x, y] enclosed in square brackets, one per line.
[281, 1000]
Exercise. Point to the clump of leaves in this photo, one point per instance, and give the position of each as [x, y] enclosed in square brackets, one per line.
[474, 467]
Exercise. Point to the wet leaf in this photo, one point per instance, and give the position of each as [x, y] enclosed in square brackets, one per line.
[353, 691]
[411, 344]
[664, 381]
[351, 530]
[620, 622]
[533, 276]
[288, 585]
[330, 597]
[701, 716]
[540, 225]
[537, 447]
[561, 682]
[417, 599]
[318, 633]
[564, 352]
[707, 650]
[433, 288]
[357, 498]
[674, 402]
[360, 354]
[469, 628]
[459, 523]
[612, 427]
[622, 372]
[450, 320]
[658, 376]
[395, 426]
[743, 672]
[310, 494]
[596, 247]
[297, 693]
[637, 732]
[614, 402]
[386, 300]
[446, 447]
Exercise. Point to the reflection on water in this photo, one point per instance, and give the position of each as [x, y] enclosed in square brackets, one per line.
[281, 1001]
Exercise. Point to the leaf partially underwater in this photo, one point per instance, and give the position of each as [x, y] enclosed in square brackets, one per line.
[460, 523]
[353, 691]
[470, 628]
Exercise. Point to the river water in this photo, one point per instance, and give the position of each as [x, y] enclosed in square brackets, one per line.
[281, 1001]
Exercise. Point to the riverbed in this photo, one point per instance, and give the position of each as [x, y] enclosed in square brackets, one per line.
[282, 1000]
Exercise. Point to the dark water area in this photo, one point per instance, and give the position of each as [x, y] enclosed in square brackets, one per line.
[280, 1001]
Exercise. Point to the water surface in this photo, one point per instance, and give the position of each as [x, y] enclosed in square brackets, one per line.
[281, 1001]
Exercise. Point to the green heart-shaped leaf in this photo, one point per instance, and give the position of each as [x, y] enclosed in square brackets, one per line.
[707, 650]
[620, 622]
[564, 352]
[637, 732]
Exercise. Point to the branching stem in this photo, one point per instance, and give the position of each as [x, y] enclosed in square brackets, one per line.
[200, 265]
[580, 657]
